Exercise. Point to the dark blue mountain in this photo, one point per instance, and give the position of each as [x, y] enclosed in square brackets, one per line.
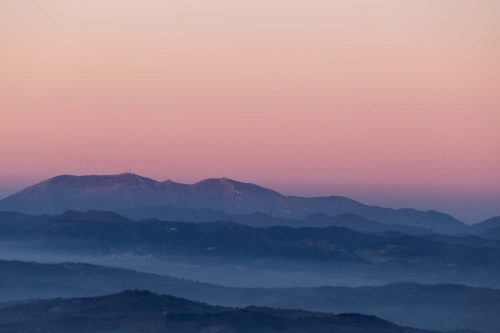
[127, 191]
[143, 311]
[483, 227]
[443, 306]
[435, 258]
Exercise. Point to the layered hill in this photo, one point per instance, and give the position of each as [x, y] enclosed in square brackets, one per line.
[127, 191]
[444, 306]
[348, 220]
[493, 233]
[483, 227]
[380, 257]
[143, 311]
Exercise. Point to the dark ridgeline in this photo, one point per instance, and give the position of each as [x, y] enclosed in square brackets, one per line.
[142, 311]
[487, 229]
[348, 220]
[378, 257]
[220, 225]
[402, 303]
[128, 191]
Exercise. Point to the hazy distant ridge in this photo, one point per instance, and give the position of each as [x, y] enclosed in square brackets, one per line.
[127, 191]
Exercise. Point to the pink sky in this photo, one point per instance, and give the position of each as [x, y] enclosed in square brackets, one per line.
[393, 102]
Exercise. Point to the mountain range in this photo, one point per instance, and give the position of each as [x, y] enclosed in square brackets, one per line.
[130, 191]
[348, 220]
[406, 304]
[382, 257]
[256, 250]
[143, 311]
[489, 228]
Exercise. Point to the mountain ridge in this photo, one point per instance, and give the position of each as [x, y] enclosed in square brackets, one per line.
[386, 256]
[484, 226]
[143, 311]
[27, 280]
[126, 191]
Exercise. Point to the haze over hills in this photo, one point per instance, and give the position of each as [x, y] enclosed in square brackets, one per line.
[315, 166]
[493, 233]
[223, 231]
[484, 226]
[143, 311]
[250, 229]
[129, 191]
[348, 220]
[403, 303]
[335, 251]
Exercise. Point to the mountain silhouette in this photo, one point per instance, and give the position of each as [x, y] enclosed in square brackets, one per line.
[127, 191]
[443, 306]
[483, 227]
[387, 254]
[143, 311]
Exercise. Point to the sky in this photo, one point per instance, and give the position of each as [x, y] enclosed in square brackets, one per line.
[391, 102]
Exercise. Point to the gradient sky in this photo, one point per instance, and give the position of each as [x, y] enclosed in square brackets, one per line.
[392, 102]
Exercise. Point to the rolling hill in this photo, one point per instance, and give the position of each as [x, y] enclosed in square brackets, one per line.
[482, 227]
[143, 311]
[443, 306]
[331, 251]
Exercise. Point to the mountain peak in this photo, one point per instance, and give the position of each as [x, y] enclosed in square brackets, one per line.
[129, 190]
[231, 185]
[217, 181]
[126, 177]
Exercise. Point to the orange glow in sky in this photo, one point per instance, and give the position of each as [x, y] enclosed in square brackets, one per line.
[393, 102]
